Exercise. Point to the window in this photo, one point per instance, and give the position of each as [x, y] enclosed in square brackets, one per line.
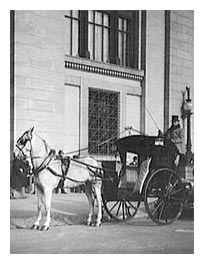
[72, 32]
[98, 36]
[103, 120]
[122, 40]
[104, 36]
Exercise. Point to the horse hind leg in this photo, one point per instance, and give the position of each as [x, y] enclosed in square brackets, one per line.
[88, 191]
[97, 189]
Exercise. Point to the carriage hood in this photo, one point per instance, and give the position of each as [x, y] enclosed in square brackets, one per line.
[144, 146]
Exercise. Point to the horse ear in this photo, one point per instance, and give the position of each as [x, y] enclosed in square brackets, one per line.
[31, 129]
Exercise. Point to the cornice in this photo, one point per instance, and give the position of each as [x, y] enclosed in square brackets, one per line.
[103, 69]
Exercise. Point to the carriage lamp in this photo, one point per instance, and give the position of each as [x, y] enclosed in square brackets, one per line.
[159, 141]
[188, 106]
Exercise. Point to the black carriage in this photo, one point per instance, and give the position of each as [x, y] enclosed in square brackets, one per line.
[153, 180]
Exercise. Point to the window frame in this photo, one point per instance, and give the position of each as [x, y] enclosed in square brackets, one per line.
[76, 19]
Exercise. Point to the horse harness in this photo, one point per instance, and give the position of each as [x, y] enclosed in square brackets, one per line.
[65, 164]
[95, 172]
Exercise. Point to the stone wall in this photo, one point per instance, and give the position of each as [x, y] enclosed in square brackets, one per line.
[39, 73]
[181, 59]
[155, 70]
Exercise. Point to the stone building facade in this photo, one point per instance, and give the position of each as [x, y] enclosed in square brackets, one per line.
[83, 78]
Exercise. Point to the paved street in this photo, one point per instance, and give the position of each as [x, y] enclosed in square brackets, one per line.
[69, 235]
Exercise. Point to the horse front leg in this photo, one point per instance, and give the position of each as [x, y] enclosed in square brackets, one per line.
[39, 209]
[88, 191]
[97, 189]
[47, 203]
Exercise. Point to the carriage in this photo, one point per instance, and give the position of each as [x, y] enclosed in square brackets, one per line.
[153, 180]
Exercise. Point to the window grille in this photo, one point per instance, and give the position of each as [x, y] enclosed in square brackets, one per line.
[103, 120]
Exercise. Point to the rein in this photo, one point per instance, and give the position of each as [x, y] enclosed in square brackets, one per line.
[52, 156]
[45, 162]
[89, 165]
[62, 176]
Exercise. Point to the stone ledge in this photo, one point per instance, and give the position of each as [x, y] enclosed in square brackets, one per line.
[103, 68]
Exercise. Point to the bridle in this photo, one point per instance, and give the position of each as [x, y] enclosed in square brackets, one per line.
[22, 142]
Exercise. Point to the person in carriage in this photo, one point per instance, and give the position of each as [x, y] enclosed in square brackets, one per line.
[176, 135]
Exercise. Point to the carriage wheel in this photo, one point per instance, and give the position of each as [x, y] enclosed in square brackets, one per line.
[121, 210]
[164, 196]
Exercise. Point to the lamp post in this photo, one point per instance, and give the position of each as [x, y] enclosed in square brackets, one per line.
[188, 110]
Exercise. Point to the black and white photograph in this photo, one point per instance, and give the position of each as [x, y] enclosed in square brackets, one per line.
[101, 131]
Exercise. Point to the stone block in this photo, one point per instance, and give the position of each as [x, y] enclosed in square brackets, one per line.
[21, 103]
[43, 84]
[25, 92]
[25, 50]
[21, 81]
[47, 106]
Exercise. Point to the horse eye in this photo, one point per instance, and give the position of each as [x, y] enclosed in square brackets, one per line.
[23, 141]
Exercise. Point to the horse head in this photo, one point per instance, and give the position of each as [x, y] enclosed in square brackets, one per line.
[34, 149]
[23, 146]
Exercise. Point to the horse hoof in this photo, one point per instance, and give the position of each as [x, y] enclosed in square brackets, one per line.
[89, 223]
[98, 224]
[44, 228]
[34, 227]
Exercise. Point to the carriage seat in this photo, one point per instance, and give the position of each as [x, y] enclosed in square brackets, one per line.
[132, 178]
[144, 170]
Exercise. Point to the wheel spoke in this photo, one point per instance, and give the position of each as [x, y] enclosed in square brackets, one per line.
[157, 207]
[118, 208]
[177, 199]
[175, 191]
[161, 211]
[171, 188]
[135, 208]
[169, 181]
[127, 209]
[123, 208]
[114, 206]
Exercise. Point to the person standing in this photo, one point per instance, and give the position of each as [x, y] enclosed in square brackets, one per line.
[60, 185]
[19, 175]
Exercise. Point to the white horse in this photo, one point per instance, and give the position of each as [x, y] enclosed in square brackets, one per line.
[47, 169]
